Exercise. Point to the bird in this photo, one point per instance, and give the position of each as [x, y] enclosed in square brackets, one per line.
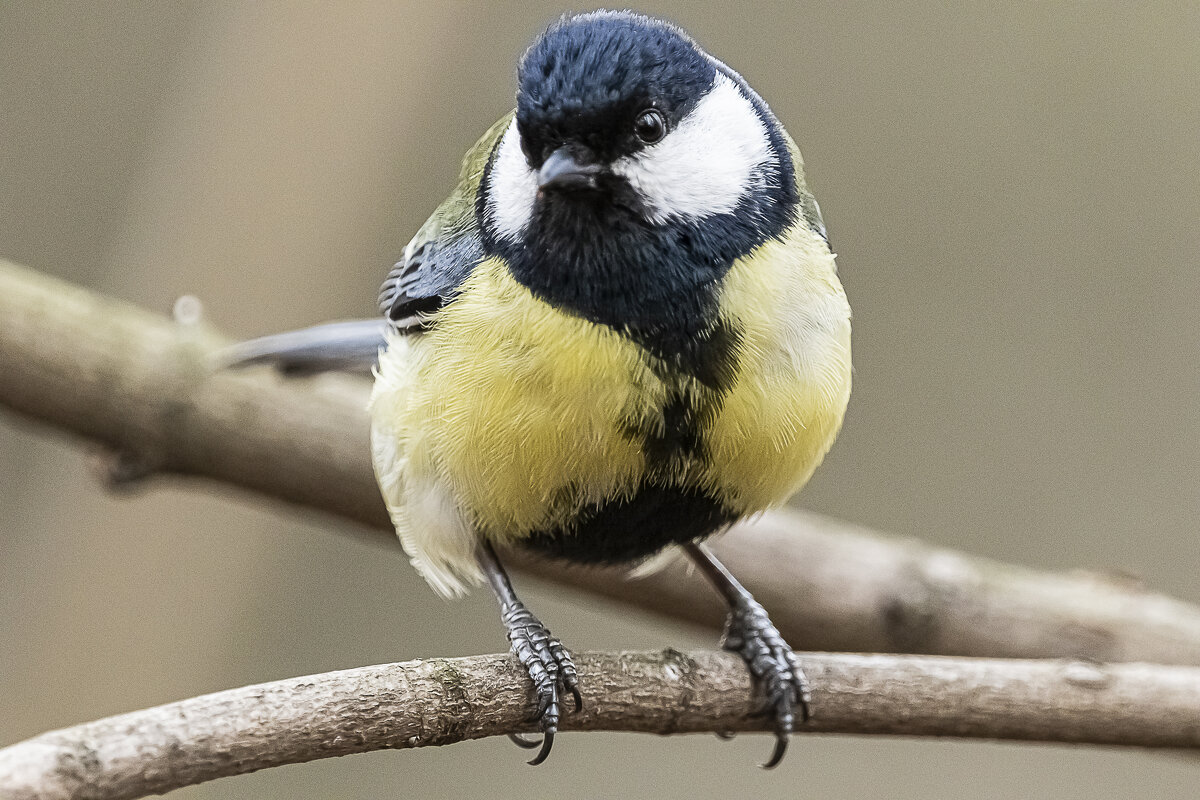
[622, 332]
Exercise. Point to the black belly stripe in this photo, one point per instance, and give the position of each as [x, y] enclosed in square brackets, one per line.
[710, 364]
[660, 515]
[620, 531]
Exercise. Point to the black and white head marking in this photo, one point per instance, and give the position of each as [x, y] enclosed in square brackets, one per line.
[717, 154]
[714, 157]
[636, 171]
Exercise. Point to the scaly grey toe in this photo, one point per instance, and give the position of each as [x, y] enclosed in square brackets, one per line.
[750, 633]
[549, 666]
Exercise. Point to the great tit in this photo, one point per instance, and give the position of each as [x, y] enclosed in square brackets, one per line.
[622, 331]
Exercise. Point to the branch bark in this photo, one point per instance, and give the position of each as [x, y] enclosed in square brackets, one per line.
[437, 702]
[144, 387]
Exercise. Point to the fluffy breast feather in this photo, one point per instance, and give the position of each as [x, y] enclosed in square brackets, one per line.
[514, 409]
[510, 416]
[794, 372]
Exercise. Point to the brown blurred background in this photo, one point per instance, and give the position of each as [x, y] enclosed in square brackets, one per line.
[1013, 191]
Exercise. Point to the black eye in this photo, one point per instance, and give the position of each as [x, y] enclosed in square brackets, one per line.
[650, 126]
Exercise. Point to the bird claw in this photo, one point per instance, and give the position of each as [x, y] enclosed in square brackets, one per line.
[781, 745]
[551, 669]
[750, 633]
[523, 742]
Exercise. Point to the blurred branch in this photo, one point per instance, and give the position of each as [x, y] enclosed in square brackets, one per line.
[437, 702]
[142, 386]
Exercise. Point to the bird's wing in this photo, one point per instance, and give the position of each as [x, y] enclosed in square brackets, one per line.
[446, 248]
[808, 204]
[436, 262]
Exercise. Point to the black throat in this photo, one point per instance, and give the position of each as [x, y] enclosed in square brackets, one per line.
[594, 254]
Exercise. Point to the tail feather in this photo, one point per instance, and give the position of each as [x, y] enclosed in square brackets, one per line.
[351, 346]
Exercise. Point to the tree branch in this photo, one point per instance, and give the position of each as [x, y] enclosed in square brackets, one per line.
[441, 701]
[143, 386]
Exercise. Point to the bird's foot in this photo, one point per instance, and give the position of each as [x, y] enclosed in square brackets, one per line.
[549, 666]
[750, 633]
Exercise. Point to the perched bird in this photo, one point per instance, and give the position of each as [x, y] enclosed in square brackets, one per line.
[623, 331]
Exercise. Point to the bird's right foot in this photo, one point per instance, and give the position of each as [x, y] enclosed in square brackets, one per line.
[750, 634]
[549, 666]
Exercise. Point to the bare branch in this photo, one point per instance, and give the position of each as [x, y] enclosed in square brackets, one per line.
[437, 702]
[141, 385]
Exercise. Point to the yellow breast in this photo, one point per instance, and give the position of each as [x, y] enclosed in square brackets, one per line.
[793, 379]
[521, 406]
[510, 416]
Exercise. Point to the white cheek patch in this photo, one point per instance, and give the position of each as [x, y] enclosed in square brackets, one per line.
[707, 164]
[513, 187]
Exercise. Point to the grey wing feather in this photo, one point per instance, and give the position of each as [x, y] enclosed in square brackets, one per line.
[351, 346]
[445, 250]
[424, 281]
[812, 215]
[436, 263]
[427, 277]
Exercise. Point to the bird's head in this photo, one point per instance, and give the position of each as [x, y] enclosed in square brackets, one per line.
[636, 171]
[625, 118]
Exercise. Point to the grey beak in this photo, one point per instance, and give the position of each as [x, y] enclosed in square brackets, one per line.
[568, 168]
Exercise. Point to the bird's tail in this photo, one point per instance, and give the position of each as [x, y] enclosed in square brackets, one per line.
[351, 346]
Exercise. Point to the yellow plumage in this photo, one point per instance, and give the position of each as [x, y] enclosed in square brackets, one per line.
[510, 415]
[793, 380]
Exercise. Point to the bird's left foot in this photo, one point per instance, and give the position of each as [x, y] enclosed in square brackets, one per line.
[551, 669]
[750, 633]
